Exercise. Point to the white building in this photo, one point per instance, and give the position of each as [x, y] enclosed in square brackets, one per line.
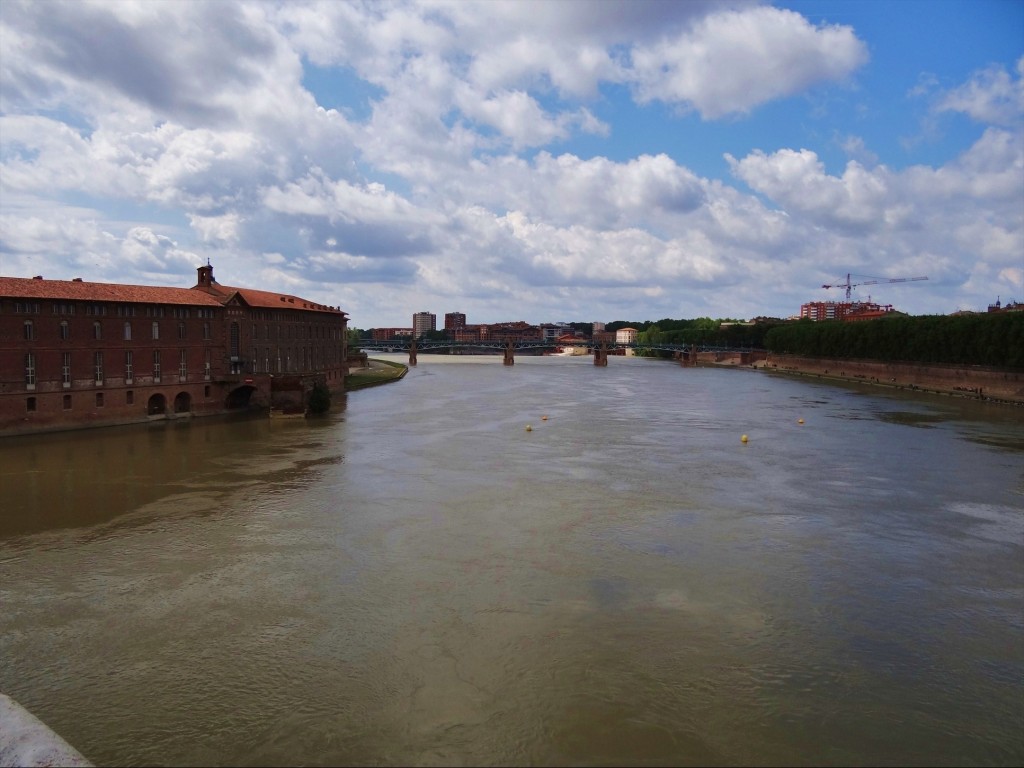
[423, 322]
[626, 336]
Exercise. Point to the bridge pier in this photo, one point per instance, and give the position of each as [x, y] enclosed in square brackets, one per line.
[412, 353]
[601, 354]
[510, 358]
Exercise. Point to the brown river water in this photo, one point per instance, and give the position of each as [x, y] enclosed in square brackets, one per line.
[419, 580]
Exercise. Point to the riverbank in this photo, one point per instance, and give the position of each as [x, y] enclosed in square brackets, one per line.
[975, 382]
[374, 373]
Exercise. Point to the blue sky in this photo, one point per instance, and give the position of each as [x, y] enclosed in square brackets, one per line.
[540, 161]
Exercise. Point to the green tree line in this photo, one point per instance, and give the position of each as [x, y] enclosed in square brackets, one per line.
[700, 330]
[992, 339]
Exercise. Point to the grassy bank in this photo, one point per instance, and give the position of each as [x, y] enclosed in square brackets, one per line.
[377, 372]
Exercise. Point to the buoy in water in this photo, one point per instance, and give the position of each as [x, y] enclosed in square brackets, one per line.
[799, 421]
[529, 428]
[743, 439]
[543, 418]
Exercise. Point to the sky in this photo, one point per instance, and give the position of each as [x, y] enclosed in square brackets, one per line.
[546, 161]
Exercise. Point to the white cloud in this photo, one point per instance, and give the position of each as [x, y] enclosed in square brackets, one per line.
[734, 61]
[138, 140]
[991, 96]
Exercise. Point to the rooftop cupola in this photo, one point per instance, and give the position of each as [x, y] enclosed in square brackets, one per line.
[206, 276]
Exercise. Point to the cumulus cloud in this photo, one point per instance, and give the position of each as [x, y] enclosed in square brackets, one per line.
[139, 139]
[732, 62]
[992, 96]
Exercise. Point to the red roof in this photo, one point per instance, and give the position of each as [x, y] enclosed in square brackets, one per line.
[76, 290]
[270, 300]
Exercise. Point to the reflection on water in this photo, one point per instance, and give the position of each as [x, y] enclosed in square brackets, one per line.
[419, 580]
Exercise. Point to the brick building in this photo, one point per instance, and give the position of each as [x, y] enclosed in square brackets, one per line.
[76, 354]
[454, 321]
[843, 310]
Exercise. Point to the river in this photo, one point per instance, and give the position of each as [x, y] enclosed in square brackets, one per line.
[420, 579]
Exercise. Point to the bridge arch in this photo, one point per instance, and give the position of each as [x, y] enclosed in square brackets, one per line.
[239, 397]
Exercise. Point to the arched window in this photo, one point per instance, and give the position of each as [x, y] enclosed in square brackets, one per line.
[97, 330]
[30, 331]
[65, 330]
[127, 331]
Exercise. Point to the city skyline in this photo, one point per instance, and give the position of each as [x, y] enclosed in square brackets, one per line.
[536, 160]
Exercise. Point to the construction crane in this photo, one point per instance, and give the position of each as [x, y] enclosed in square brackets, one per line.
[873, 281]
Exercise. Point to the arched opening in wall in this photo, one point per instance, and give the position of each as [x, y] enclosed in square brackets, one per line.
[183, 402]
[239, 398]
[157, 405]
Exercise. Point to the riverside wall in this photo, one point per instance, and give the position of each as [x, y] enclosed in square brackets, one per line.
[972, 381]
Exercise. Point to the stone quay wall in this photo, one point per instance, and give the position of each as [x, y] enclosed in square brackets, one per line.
[979, 382]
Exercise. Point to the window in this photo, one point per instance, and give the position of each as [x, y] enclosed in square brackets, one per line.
[181, 312]
[129, 397]
[206, 331]
[127, 331]
[98, 366]
[181, 329]
[97, 330]
[156, 330]
[65, 330]
[129, 366]
[67, 402]
[30, 404]
[99, 399]
[96, 310]
[30, 331]
[207, 365]
[156, 365]
[63, 308]
[206, 391]
[26, 307]
[30, 371]
[183, 365]
[126, 310]
[65, 370]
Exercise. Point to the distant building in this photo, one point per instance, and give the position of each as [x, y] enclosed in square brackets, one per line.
[387, 334]
[843, 310]
[454, 321]
[626, 336]
[422, 322]
[597, 327]
[1010, 306]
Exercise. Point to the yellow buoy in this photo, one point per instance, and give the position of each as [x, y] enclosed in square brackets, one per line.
[799, 421]
[743, 439]
[543, 418]
[529, 428]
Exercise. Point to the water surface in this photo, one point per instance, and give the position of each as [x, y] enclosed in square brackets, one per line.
[418, 579]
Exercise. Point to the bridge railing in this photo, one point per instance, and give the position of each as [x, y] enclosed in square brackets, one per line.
[500, 345]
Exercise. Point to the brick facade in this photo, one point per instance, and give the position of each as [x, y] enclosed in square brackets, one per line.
[76, 354]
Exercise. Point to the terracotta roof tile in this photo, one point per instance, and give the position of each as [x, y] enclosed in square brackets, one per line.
[74, 290]
[270, 300]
